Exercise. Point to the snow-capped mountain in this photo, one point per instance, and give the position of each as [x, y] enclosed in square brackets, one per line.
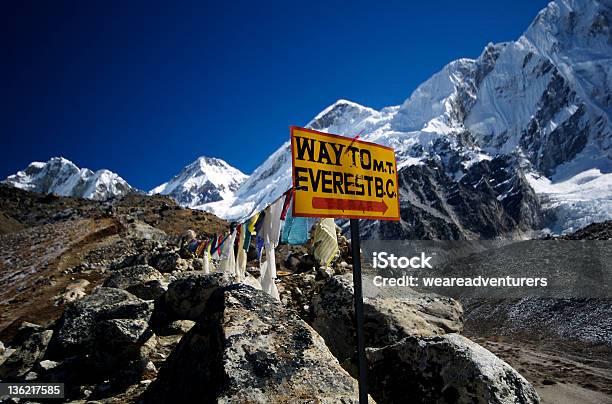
[545, 101]
[62, 177]
[205, 180]
[529, 115]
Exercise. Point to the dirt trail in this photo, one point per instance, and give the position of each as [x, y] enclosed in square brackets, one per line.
[559, 375]
[33, 264]
[571, 394]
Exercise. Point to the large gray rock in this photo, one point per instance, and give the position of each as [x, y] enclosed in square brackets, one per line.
[188, 294]
[121, 336]
[24, 331]
[78, 328]
[387, 320]
[444, 369]
[25, 356]
[168, 261]
[123, 346]
[177, 327]
[142, 281]
[415, 335]
[5, 352]
[248, 348]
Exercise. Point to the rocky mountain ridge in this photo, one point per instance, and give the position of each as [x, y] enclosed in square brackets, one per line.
[542, 105]
[204, 181]
[543, 101]
[62, 177]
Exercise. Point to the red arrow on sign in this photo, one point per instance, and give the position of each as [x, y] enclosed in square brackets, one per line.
[349, 204]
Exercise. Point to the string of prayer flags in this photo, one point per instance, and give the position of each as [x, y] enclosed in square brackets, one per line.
[241, 255]
[275, 223]
[228, 260]
[213, 246]
[207, 259]
[251, 223]
[270, 232]
[200, 249]
[259, 244]
[288, 197]
[325, 241]
[296, 229]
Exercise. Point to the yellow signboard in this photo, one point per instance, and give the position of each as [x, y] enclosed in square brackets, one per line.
[337, 176]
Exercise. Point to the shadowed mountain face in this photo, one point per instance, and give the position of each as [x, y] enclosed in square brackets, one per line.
[491, 200]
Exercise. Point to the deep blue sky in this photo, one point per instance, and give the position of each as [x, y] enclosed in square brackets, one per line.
[144, 88]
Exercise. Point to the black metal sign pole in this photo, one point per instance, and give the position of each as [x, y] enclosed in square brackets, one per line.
[356, 253]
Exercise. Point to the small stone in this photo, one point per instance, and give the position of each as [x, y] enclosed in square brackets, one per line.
[182, 265]
[142, 281]
[292, 262]
[7, 353]
[256, 272]
[150, 371]
[48, 365]
[198, 264]
[179, 327]
[188, 294]
[31, 376]
[24, 331]
[75, 290]
[26, 355]
[324, 273]
[167, 261]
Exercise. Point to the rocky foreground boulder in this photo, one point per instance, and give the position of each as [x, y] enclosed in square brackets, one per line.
[142, 281]
[189, 293]
[414, 349]
[169, 261]
[444, 369]
[246, 347]
[387, 319]
[90, 319]
[31, 350]
[155, 332]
